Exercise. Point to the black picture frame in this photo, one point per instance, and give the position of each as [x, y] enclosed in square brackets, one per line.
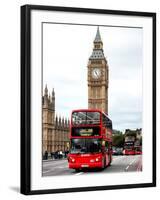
[25, 183]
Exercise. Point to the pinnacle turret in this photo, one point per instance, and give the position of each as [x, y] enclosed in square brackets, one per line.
[46, 91]
[98, 47]
[53, 93]
[98, 36]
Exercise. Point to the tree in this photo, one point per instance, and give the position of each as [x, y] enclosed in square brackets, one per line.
[116, 132]
[141, 141]
[118, 139]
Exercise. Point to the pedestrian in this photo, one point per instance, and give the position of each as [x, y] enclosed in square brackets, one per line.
[58, 154]
[52, 155]
[46, 155]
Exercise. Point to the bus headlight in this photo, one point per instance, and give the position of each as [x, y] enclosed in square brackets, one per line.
[72, 159]
[98, 159]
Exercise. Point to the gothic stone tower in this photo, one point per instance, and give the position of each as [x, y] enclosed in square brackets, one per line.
[98, 77]
[55, 133]
[48, 105]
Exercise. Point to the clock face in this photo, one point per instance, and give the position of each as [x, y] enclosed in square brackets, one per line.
[96, 73]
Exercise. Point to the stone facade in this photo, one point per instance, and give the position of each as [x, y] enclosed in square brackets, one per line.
[133, 135]
[98, 77]
[55, 131]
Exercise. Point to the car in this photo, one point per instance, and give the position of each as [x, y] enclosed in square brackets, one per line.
[117, 151]
[113, 152]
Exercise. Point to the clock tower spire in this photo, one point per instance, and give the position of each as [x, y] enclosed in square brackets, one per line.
[98, 76]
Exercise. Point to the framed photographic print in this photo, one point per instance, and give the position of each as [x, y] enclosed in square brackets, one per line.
[88, 99]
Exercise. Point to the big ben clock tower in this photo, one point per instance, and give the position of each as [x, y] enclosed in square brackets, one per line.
[98, 77]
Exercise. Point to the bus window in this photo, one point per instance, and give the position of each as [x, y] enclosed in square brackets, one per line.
[105, 145]
[106, 122]
[109, 124]
[83, 118]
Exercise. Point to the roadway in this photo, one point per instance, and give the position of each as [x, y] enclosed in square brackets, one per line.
[119, 164]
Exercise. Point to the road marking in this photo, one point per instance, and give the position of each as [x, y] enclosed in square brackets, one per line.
[127, 168]
[77, 174]
[46, 171]
[130, 164]
[62, 167]
[132, 161]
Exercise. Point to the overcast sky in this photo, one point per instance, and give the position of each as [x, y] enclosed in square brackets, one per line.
[66, 50]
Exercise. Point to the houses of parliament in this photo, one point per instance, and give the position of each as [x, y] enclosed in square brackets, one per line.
[55, 133]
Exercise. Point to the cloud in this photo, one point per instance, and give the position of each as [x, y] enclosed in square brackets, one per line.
[126, 112]
[66, 53]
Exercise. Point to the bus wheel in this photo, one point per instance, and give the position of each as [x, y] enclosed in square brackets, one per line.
[109, 161]
[77, 170]
[103, 164]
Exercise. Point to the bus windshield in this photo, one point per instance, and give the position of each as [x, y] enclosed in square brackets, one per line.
[129, 145]
[83, 146]
[81, 118]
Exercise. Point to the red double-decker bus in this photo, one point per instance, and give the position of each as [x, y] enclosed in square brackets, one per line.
[138, 150]
[129, 148]
[90, 139]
